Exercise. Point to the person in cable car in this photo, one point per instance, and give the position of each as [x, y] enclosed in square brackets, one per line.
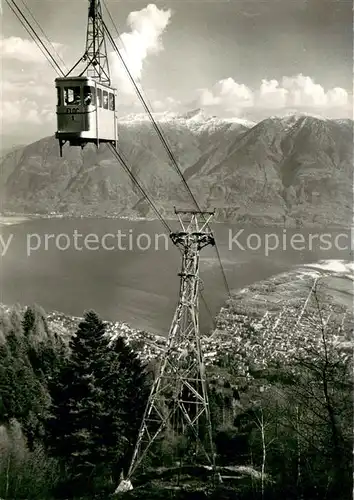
[88, 99]
[72, 96]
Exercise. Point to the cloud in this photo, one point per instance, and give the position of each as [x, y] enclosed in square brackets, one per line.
[147, 26]
[303, 91]
[294, 92]
[24, 112]
[23, 50]
[27, 92]
[228, 94]
[28, 88]
[271, 93]
[337, 97]
[27, 100]
[168, 104]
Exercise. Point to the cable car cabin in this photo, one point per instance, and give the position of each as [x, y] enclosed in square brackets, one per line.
[86, 112]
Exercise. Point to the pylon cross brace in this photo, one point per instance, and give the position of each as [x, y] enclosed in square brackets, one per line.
[178, 398]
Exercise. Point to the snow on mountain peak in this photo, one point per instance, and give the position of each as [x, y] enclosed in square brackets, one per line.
[297, 119]
[195, 115]
[135, 118]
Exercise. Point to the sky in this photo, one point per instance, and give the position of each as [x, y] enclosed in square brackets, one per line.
[242, 58]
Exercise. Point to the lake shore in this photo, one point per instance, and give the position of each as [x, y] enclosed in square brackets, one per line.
[12, 220]
[18, 218]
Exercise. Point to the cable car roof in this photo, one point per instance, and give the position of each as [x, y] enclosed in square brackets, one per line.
[82, 79]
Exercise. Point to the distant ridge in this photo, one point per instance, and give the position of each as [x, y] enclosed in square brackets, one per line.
[293, 170]
[197, 115]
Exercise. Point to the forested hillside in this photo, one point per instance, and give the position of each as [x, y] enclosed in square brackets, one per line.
[69, 412]
[71, 405]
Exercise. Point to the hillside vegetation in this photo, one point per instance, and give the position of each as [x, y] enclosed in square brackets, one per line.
[73, 391]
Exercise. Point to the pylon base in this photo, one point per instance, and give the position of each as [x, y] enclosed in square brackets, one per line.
[124, 486]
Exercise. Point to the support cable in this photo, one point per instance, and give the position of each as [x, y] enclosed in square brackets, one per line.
[122, 160]
[33, 34]
[125, 49]
[44, 35]
[162, 139]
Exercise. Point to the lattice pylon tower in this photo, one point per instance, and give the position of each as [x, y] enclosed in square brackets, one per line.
[95, 56]
[96, 49]
[178, 400]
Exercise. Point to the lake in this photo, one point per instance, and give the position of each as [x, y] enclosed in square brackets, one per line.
[72, 265]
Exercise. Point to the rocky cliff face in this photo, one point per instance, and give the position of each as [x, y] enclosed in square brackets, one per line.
[296, 169]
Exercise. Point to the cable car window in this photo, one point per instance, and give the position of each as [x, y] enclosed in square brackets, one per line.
[99, 98]
[105, 99]
[72, 96]
[89, 95]
[111, 102]
[58, 96]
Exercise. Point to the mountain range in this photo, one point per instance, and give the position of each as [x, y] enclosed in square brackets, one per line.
[294, 170]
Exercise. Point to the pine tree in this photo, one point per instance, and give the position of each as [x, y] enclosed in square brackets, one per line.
[126, 391]
[28, 322]
[78, 412]
[23, 395]
[97, 406]
[7, 385]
